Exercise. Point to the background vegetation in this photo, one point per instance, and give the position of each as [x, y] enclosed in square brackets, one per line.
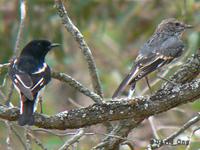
[114, 30]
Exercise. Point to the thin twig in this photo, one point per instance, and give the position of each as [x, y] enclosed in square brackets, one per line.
[129, 144]
[58, 134]
[8, 139]
[8, 103]
[37, 141]
[177, 133]
[73, 102]
[4, 66]
[153, 127]
[67, 22]
[72, 140]
[85, 133]
[190, 138]
[184, 127]
[28, 139]
[18, 40]
[21, 26]
[18, 136]
[75, 84]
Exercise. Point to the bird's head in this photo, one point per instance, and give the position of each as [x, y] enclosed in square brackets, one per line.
[172, 26]
[38, 49]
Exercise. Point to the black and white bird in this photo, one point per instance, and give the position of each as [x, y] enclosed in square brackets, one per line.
[163, 46]
[29, 74]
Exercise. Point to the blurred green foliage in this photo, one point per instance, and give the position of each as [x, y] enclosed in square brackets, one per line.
[114, 30]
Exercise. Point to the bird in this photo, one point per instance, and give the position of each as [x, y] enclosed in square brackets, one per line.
[162, 47]
[29, 74]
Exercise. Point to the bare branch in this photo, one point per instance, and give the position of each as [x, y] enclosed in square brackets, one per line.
[8, 139]
[75, 84]
[4, 66]
[185, 74]
[181, 130]
[67, 22]
[18, 40]
[137, 108]
[37, 141]
[8, 99]
[73, 140]
[18, 136]
[21, 25]
[28, 139]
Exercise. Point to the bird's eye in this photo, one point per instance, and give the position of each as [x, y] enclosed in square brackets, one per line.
[177, 24]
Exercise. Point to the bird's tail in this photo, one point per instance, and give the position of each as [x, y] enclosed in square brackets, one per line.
[27, 113]
[128, 79]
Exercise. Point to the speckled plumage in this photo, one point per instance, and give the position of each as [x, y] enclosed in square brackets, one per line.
[161, 48]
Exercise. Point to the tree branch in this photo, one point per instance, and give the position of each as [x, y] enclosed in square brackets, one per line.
[177, 133]
[71, 28]
[137, 108]
[73, 140]
[21, 25]
[185, 74]
[75, 84]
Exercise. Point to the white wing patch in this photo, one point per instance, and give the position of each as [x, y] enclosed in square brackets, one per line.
[19, 79]
[39, 82]
[42, 69]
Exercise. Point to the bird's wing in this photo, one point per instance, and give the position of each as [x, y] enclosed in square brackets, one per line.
[172, 47]
[23, 83]
[29, 84]
[161, 55]
[40, 78]
[146, 64]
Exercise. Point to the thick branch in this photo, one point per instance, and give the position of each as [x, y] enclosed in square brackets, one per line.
[137, 108]
[67, 22]
[185, 74]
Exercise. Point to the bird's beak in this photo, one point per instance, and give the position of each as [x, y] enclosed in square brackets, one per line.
[188, 26]
[54, 45]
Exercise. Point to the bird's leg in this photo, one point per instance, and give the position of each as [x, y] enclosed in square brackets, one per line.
[147, 81]
[40, 102]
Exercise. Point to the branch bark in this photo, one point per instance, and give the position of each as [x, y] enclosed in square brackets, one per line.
[71, 28]
[186, 73]
[137, 108]
[76, 85]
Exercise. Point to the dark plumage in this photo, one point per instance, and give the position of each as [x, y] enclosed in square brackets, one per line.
[162, 47]
[30, 74]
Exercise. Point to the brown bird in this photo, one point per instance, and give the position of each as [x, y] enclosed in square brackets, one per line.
[162, 47]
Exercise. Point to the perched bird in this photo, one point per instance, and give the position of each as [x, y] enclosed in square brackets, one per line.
[162, 47]
[29, 74]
